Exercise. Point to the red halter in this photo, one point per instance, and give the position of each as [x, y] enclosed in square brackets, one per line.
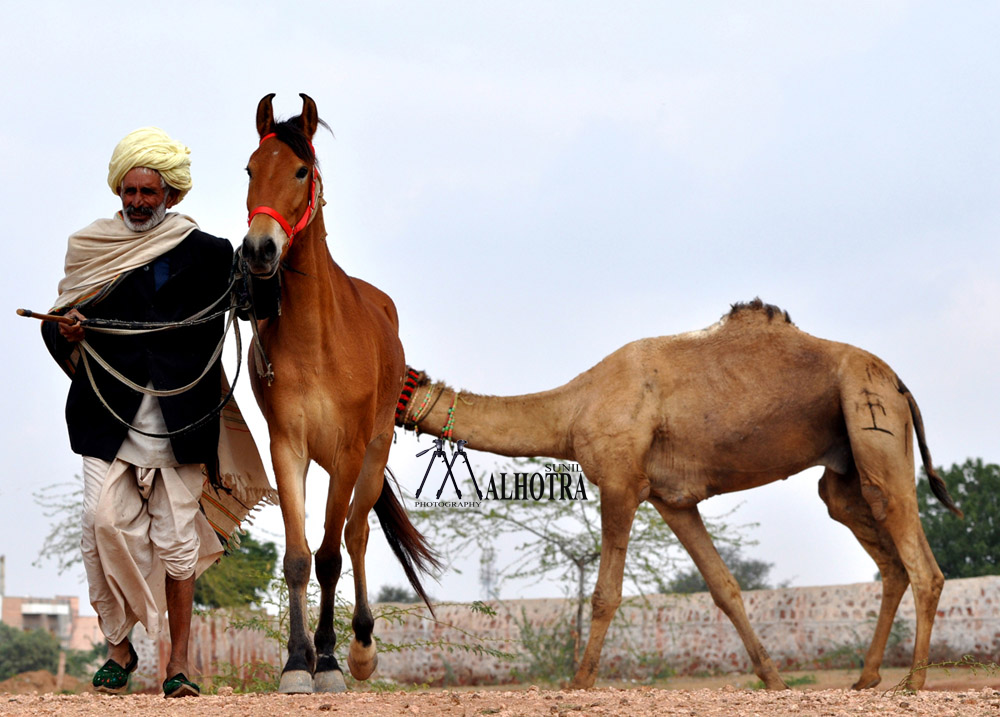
[276, 215]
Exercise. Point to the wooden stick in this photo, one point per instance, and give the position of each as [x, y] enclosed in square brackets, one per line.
[29, 314]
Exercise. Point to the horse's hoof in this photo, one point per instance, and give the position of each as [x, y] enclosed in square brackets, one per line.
[295, 682]
[329, 681]
[362, 660]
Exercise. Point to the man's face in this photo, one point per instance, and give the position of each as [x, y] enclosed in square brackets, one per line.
[144, 199]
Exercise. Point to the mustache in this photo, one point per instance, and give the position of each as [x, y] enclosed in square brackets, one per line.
[140, 219]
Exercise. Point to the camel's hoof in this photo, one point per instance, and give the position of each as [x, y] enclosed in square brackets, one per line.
[362, 660]
[329, 681]
[866, 683]
[295, 682]
[772, 680]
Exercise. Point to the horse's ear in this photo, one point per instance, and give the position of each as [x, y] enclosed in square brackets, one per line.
[265, 116]
[309, 117]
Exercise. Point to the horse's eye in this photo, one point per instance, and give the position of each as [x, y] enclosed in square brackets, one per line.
[301, 174]
[249, 173]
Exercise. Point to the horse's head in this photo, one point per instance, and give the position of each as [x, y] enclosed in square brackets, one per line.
[284, 185]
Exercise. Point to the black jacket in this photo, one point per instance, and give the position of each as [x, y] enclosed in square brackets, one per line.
[198, 274]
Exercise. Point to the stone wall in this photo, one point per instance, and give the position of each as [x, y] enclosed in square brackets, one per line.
[216, 648]
[800, 627]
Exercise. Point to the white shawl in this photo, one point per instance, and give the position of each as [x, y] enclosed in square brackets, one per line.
[107, 248]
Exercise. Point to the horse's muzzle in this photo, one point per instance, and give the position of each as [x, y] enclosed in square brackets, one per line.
[261, 255]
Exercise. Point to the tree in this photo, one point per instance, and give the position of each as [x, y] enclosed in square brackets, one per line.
[749, 573]
[63, 504]
[22, 651]
[241, 578]
[971, 547]
[395, 593]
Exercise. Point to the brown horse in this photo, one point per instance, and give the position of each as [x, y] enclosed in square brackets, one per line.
[338, 368]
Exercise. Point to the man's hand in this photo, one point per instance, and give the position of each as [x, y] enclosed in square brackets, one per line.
[72, 332]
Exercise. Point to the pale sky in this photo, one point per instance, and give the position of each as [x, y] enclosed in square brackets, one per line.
[536, 184]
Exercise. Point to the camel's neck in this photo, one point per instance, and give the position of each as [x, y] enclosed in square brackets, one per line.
[536, 424]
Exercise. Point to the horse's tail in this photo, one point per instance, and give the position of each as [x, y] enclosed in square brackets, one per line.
[938, 486]
[408, 545]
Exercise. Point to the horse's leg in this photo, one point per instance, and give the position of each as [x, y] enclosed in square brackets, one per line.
[290, 474]
[329, 677]
[842, 495]
[687, 525]
[619, 501]
[362, 659]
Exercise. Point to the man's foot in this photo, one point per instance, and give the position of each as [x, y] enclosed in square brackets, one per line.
[180, 686]
[112, 678]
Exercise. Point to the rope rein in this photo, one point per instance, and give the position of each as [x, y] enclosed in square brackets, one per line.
[152, 392]
[261, 362]
[150, 327]
[240, 299]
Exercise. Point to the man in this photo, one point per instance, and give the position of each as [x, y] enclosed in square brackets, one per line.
[144, 537]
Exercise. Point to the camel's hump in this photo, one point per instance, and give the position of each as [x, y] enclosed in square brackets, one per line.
[757, 308]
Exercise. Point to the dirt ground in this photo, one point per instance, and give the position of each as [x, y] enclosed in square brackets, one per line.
[958, 693]
[40, 682]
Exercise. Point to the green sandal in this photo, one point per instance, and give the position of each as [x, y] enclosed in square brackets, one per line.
[180, 686]
[112, 678]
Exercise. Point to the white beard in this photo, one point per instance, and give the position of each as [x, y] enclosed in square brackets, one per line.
[158, 214]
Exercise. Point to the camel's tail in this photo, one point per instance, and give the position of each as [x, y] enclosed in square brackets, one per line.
[938, 486]
[408, 545]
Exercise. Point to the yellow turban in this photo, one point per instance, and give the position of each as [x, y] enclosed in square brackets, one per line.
[151, 147]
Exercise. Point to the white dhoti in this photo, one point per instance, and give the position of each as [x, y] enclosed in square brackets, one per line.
[139, 525]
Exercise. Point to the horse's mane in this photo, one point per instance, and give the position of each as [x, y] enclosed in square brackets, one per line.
[290, 132]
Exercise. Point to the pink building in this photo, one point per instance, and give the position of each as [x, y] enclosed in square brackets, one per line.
[60, 616]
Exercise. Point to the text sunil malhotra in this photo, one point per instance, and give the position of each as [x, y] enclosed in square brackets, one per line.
[561, 481]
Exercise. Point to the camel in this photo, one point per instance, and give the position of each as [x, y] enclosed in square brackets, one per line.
[676, 419]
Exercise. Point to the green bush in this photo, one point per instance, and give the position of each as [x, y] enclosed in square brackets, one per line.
[551, 651]
[22, 651]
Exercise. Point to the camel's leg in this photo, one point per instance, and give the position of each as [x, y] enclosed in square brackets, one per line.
[362, 659]
[290, 474]
[690, 530]
[328, 676]
[842, 495]
[618, 506]
[880, 431]
[902, 523]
